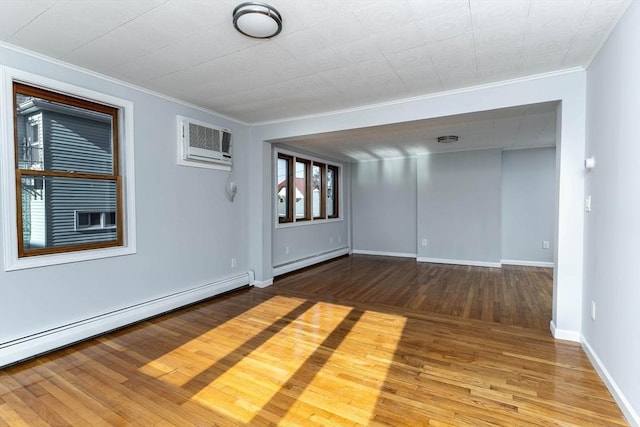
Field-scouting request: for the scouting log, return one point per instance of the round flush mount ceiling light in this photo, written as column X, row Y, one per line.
column 447, row 139
column 258, row 20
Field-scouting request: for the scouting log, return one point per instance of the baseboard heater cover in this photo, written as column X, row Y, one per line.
column 383, row 253
column 525, row 263
column 460, row 262
column 308, row 261
column 33, row 345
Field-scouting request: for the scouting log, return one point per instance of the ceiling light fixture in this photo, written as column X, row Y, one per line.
column 258, row 20
column 447, row 139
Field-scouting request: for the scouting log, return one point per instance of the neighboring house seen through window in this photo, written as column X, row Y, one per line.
column 68, row 184
column 306, row 190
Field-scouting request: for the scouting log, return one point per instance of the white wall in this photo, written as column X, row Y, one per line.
column 187, row 230
column 528, row 203
column 459, row 207
column 612, row 228
column 384, row 206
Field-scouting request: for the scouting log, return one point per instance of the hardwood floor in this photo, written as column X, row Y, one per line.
column 510, row 295
column 359, row 341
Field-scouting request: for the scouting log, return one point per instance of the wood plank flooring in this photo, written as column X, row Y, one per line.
column 510, row 295
column 359, row 341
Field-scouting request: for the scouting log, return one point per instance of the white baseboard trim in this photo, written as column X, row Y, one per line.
column 262, row 283
column 625, row 406
column 308, row 261
column 382, row 253
column 26, row 347
column 460, row 262
column 527, row 263
column 563, row 334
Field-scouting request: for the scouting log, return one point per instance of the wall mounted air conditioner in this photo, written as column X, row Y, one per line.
column 203, row 142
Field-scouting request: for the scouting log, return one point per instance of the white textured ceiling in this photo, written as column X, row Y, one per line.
column 331, row 54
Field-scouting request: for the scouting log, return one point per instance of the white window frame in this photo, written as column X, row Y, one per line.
column 313, row 160
column 7, row 172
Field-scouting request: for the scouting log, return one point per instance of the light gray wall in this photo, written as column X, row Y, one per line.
column 459, row 206
column 612, row 228
column 308, row 240
column 187, row 230
column 384, row 206
column 528, row 204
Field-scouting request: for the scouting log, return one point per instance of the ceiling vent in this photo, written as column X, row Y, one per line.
column 447, row 139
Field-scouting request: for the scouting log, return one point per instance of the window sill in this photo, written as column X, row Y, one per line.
column 306, row 223
column 65, row 258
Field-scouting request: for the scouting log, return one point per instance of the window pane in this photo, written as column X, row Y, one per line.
column 316, row 186
column 83, row 220
column 110, row 219
column 95, row 219
column 283, row 190
column 331, row 177
column 59, row 137
column 301, row 189
column 49, row 213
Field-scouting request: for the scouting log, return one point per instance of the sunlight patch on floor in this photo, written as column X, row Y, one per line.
column 244, row 389
column 350, row 381
column 213, row 345
column 287, row 351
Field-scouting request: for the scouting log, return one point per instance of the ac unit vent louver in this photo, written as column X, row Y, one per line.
column 203, row 142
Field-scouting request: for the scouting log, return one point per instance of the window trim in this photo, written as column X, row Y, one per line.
column 292, row 157
column 8, row 174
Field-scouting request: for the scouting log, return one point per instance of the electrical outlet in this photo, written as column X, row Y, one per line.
column 593, row 310
column 545, row 244
column 286, row 250
column 587, row 204
column 233, row 263
column 424, row 242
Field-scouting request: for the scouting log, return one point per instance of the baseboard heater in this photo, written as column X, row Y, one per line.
column 42, row 342
column 460, row 262
column 308, row 261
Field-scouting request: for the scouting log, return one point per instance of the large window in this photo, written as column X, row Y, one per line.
column 306, row 190
column 67, row 176
column 66, row 164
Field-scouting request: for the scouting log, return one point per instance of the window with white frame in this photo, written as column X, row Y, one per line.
column 67, row 188
column 306, row 189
